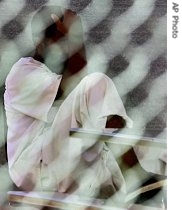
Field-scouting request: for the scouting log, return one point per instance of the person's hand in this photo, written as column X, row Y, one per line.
column 60, row 25
column 64, row 25
column 115, row 121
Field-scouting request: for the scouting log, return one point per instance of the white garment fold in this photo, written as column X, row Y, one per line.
column 40, row 151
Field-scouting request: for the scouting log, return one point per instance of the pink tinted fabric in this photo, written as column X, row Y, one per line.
column 40, row 151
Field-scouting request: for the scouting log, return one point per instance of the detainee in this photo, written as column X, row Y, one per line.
column 46, row 95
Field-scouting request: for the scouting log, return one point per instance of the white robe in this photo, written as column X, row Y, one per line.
column 40, row 152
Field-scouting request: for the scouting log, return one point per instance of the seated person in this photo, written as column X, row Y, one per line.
column 41, row 108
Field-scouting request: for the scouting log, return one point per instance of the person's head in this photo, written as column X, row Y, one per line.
column 43, row 24
column 57, row 34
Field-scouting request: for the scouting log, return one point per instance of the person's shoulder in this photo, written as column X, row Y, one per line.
column 25, row 64
column 27, row 61
column 22, row 67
